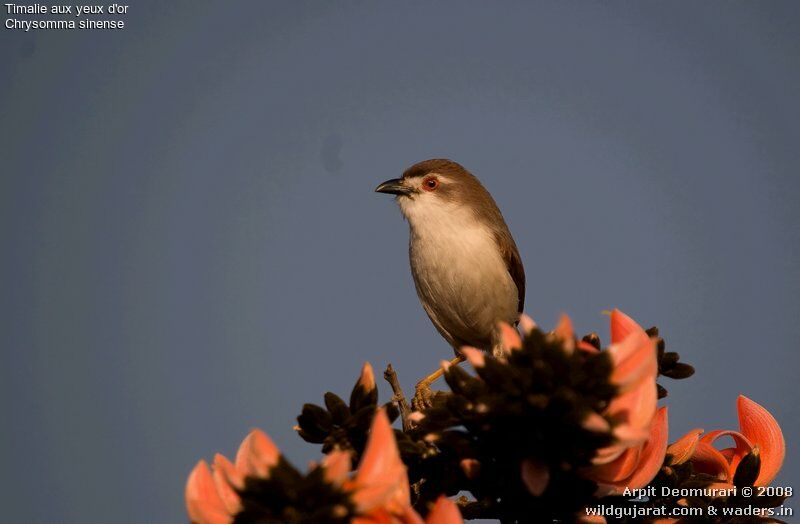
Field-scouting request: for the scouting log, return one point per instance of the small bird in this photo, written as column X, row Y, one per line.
column 465, row 264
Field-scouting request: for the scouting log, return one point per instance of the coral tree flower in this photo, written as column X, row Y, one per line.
column 758, row 431
column 639, row 429
column 378, row 492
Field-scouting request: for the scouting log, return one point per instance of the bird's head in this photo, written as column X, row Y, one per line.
column 439, row 186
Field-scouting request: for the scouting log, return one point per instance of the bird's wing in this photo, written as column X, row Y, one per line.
column 514, row 265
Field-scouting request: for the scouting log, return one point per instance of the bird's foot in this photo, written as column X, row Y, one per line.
column 423, row 397
column 498, row 351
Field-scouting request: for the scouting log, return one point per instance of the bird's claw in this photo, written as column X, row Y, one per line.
column 423, row 397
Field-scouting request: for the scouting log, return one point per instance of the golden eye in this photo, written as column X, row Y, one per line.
column 430, row 183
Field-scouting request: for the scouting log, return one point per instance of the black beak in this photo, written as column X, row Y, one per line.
column 394, row 187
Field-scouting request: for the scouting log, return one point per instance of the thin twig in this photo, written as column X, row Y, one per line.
column 399, row 398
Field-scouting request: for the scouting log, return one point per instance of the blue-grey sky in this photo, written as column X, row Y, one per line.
column 192, row 246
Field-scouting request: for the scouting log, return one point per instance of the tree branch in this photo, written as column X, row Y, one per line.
column 399, row 398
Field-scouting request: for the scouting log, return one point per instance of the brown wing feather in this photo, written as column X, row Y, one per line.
column 514, row 264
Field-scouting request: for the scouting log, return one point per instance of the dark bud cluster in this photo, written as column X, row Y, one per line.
column 288, row 496
column 525, row 411
column 668, row 362
column 343, row 426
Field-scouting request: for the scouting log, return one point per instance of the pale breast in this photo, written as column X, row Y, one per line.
column 461, row 279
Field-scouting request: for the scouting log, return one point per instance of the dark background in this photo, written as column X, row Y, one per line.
column 191, row 245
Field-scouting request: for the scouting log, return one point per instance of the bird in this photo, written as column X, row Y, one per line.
column 466, row 267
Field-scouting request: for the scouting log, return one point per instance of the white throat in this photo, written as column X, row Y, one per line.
column 430, row 218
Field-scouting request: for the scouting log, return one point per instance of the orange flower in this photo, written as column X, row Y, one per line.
column 640, row 430
column 378, row 492
column 211, row 494
column 758, row 431
column 380, row 487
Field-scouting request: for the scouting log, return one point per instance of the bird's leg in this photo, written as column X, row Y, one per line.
column 498, row 351
column 423, row 396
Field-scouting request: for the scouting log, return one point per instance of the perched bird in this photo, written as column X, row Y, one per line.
column 465, row 264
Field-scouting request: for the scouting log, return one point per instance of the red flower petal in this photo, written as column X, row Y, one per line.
column 526, row 323
column 583, row 518
column 707, row 459
column 761, row 428
column 337, row 467
column 203, row 503
column 367, row 378
column 595, row 422
column 634, row 411
column 653, row 453
column 635, row 358
column 609, row 453
column 565, row 333
column 234, row 477
column 622, row 326
column 509, row 337
column 470, row 467
column 650, row 460
column 381, row 479
column 226, row 478
column 682, row 449
column 732, row 455
column 619, row 469
column 475, row 357
column 257, row 454
column 535, row 476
